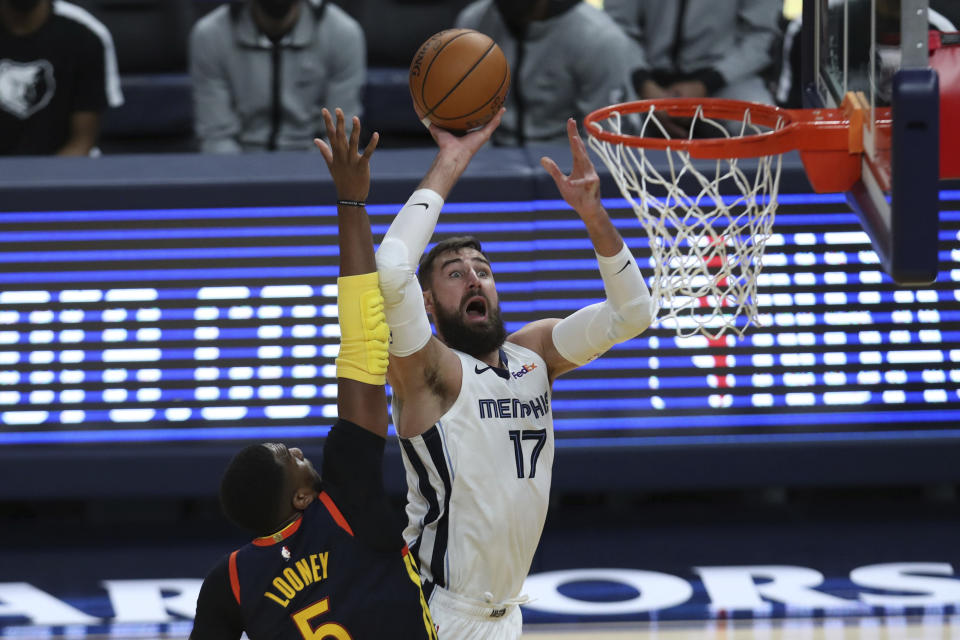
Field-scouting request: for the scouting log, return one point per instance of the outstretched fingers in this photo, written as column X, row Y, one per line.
column 341, row 143
column 333, row 137
column 581, row 187
column 495, row 121
column 371, row 146
column 552, row 168
column 341, row 125
column 355, row 140
column 581, row 161
column 477, row 138
column 354, row 134
column 325, row 150
column 486, row 131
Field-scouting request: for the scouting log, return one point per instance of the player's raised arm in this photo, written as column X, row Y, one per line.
column 416, row 358
column 362, row 363
column 627, row 311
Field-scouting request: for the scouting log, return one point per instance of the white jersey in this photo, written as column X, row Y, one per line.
column 479, row 480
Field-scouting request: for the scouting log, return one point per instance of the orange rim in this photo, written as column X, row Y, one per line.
column 802, row 129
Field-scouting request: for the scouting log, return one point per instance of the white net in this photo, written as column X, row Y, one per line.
column 708, row 224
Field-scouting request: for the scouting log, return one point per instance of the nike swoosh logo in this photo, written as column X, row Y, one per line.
column 477, row 369
column 421, row 204
column 625, row 265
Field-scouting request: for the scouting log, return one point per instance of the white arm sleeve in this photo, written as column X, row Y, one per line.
column 625, row 313
column 397, row 260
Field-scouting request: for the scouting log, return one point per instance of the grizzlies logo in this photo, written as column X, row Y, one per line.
column 25, row 87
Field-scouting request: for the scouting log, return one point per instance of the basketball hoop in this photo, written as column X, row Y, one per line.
column 708, row 222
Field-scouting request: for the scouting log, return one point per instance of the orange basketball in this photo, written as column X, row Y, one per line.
column 458, row 80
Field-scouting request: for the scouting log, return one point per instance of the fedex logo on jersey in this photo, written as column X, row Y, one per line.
column 527, row 368
column 514, row 407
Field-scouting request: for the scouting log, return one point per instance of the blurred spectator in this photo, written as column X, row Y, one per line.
column 942, row 15
column 58, row 73
column 567, row 58
column 262, row 70
column 700, row 48
column 789, row 82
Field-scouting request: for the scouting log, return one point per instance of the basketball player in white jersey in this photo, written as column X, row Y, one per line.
column 472, row 405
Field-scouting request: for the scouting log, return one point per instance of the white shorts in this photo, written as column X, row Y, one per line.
column 460, row 619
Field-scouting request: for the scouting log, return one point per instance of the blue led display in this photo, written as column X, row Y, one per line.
column 217, row 324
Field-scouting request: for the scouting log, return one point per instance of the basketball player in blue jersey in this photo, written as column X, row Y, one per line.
column 328, row 561
column 472, row 405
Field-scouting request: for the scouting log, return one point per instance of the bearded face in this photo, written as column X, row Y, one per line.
column 476, row 338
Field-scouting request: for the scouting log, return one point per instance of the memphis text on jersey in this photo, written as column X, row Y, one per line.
column 298, row 576
column 514, row 407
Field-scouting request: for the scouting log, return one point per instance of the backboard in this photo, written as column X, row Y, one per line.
column 880, row 49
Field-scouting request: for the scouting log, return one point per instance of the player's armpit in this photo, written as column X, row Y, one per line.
column 425, row 385
column 433, row 368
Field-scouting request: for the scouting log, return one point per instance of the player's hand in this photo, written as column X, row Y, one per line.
column 466, row 146
column 349, row 167
column 580, row 189
column 454, row 155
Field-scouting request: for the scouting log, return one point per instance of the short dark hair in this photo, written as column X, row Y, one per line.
column 454, row 243
column 251, row 490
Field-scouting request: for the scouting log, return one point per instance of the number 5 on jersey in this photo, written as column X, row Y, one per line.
column 326, row 631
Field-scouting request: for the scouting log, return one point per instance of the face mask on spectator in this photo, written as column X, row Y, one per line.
column 276, row 9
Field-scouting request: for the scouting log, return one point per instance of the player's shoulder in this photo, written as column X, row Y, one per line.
column 597, row 22
column 534, row 336
column 525, row 358
column 338, row 26
column 336, row 14
column 219, row 573
column 218, row 20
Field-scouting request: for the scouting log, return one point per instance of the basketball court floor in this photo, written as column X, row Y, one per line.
column 934, row 628
column 135, row 581
column 869, row 628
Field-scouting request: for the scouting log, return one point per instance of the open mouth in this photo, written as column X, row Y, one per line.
column 476, row 308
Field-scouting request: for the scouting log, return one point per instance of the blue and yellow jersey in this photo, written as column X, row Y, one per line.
column 330, row 574
column 313, row 580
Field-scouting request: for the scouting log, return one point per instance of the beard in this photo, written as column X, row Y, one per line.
column 474, row 340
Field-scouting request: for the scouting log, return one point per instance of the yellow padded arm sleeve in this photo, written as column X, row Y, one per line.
column 363, row 329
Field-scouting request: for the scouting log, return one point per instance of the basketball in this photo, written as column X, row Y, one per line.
column 458, row 80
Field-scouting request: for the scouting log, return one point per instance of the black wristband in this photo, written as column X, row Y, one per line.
column 351, row 203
